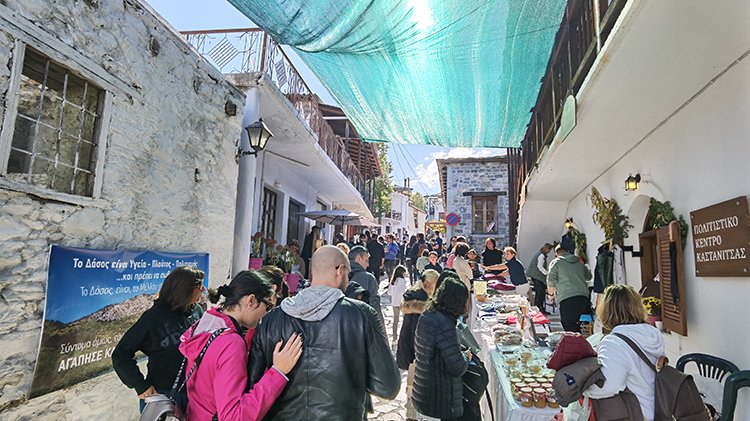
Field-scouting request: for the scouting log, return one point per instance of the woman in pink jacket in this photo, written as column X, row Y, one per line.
column 218, row 385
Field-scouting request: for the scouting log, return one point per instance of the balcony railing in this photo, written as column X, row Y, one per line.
column 585, row 26
column 251, row 50
column 333, row 145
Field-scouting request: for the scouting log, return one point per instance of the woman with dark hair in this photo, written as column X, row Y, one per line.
column 157, row 334
column 308, row 248
column 440, row 363
column 491, row 256
column 276, row 276
column 217, row 387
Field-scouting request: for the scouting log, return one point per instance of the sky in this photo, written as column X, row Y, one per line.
column 416, row 162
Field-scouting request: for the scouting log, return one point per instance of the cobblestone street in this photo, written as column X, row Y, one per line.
column 386, row 410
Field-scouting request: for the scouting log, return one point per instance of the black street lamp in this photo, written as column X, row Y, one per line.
column 258, row 135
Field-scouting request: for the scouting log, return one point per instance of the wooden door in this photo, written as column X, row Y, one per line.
column 649, row 266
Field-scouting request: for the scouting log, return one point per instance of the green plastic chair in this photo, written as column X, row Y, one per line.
column 708, row 366
column 732, row 385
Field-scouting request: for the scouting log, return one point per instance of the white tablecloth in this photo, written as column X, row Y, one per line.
column 505, row 406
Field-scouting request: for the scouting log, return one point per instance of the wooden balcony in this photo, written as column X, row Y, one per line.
column 585, row 26
column 251, row 50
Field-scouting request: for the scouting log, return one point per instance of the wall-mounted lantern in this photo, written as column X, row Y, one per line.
column 258, row 135
column 631, row 183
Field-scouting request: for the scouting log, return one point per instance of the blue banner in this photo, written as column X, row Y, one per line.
column 93, row 297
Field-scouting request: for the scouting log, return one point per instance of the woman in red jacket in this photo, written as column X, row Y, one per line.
column 217, row 386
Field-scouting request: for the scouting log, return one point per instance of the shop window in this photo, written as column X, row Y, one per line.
column 268, row 217
column 55, row 133
column 484, row 214
column 294, row 221
column 321, row 207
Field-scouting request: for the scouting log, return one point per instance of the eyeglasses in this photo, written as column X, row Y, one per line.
column 269, row 305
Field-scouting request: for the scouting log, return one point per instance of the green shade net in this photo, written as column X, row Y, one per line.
column 449, row 73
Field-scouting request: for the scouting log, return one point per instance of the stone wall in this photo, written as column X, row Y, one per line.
column 480, row 176
column 171, row 123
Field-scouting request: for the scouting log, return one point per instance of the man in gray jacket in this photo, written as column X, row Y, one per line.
column 358, row 259
column 568, row 281
column 537, row 271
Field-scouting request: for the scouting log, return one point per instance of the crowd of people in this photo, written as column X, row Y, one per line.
column 322, row 352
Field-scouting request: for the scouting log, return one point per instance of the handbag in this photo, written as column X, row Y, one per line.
column 164, row 408
column 475, row 381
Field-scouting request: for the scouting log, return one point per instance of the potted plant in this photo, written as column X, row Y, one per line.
column 256, row 254
column 653, row 310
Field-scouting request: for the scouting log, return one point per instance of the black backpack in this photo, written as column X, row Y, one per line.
column 676, row 395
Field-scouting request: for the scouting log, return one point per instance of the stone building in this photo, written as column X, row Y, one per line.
column 476, row 189
column 115, row 134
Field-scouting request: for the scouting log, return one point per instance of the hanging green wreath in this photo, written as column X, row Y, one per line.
column 662, row 213
column 579, row 239
column 609, row 217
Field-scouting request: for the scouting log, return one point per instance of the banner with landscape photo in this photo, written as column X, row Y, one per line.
column 93, row 297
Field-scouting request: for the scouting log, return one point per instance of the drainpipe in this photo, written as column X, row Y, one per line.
column 243, row 214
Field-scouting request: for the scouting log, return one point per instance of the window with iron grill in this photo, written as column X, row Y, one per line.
column 54, row 142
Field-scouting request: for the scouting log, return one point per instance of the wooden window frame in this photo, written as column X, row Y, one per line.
column 484, row 219
column 101, row 126
column 268, row 213
column 33, row 148
column 290, row 217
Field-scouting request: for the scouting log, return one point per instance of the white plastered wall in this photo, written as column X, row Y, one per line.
column 696, row 159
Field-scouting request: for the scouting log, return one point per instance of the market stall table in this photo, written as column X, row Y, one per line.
column 499, row 387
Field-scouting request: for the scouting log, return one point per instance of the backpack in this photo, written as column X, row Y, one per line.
column 676, row 395
column 164, row 408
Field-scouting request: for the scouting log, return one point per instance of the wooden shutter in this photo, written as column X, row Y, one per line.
column 672, row 313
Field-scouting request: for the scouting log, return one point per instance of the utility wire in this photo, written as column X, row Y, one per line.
column 413, row 171
column 398, row 160
column 405, row 151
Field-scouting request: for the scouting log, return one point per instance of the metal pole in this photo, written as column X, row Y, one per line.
column 243, row 214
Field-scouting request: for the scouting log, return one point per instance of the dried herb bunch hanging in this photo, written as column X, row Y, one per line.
column 609, row 217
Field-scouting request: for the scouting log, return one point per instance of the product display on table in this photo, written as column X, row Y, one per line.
column 520, row 382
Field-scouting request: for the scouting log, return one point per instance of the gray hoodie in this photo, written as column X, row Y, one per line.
column 312, row 304
column 569, row 277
